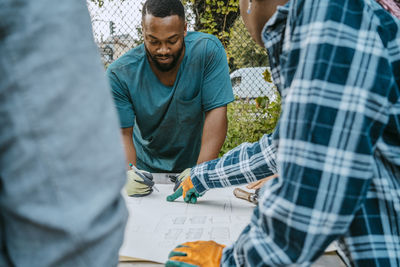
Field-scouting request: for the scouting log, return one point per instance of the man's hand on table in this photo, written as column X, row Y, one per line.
column 139, row 183
column 184, row 187
column 198, row 253
column 180, row 177
column 258, row 184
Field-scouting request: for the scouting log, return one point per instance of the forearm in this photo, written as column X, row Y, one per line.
column 246, row 163
column 130, row 151
column 214, row 133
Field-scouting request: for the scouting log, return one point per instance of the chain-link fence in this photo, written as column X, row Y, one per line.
column 117, row 29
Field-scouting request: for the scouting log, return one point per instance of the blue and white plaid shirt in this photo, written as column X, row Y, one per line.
column 336, row 147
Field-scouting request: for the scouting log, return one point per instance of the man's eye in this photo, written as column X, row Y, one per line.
column 153, row 42
column 172, row 41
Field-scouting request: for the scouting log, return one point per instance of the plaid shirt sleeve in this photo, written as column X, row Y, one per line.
column 336, row 145
column 246, row 163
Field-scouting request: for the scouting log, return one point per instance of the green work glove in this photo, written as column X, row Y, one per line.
column 198, row 253
column 136, row 185
column 184, row 187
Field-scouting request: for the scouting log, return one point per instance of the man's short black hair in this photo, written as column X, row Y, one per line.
column 163, row 8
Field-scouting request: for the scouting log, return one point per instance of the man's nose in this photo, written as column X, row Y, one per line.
column 163, row 49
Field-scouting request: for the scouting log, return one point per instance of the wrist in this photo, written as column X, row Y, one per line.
column 198, row 179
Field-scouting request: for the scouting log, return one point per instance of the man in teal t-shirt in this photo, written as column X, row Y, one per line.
column 171, row 93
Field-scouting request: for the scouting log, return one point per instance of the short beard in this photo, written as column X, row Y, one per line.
column 165, row 68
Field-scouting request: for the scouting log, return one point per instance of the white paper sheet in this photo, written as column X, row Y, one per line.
column 156, row 226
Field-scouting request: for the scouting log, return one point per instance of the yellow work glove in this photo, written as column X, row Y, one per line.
column 184, row 174
column 198, row 253
column 184, row 188
column 181, row 177
column 136, row 185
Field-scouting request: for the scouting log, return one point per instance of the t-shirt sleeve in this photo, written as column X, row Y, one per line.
column 122, row 100
column 217, row 87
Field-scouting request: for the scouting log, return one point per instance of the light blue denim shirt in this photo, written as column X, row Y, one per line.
column 62, row 165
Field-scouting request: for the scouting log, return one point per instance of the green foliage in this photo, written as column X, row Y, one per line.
column 215, row 16
column 139, row 40
column 243, row 51
column 249, row 120
column 267, row 76
column 100, row 3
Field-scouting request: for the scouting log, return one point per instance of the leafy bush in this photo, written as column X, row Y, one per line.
column 242, row 51
column 249, row 119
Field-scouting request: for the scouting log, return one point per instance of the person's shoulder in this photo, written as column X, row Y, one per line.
column 128, row 60
column 201, row 37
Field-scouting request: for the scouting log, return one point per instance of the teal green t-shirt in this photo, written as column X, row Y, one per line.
column 168, row 121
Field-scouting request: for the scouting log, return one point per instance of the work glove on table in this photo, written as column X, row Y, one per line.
column 184, row 187
column 137, row 185
column 180, row 177
column 198, row 253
